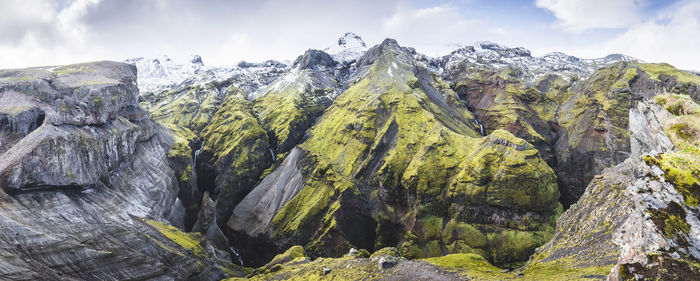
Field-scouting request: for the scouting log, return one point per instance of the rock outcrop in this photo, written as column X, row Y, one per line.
column 640, row 218
column 85, row 179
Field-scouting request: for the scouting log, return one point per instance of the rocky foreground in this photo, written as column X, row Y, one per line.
column 86, row 182
column 376, row 163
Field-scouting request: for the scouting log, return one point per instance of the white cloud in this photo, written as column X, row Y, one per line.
column 581, row 15
column 40, row 32
column 673, row 37
column 436, row 30
column 50, row 32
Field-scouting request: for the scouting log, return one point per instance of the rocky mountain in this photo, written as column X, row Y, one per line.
column 349, row 47
column 352, row 163
column 86, row 182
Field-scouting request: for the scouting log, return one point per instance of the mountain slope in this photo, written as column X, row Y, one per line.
column 390, row 158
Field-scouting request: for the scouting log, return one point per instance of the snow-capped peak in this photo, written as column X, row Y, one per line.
column 155, row 73
column 347, row 48
column 499, row 56
column 196, row 59
column 351, row 40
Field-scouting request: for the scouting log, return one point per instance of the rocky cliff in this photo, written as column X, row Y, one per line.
column 640, row 218
column 86, row 179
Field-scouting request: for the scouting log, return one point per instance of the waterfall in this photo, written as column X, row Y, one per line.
column 273, row 156
column 236, row 255
column 481, row 128
column 196, row 154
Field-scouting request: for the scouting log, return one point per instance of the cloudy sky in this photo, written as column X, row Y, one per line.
column 49, row 32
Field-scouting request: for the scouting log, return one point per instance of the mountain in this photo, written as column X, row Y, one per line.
column 519, row 60
column 352, row 163
column 349, row 47
column 163, row 73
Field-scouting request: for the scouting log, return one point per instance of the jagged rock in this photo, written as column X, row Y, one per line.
column 256, row 210
column 314, row 59
column 635, row 220
column 235, row 152
column 578, row 125
column 645, row 122
column 348, row 48
column 563, row 111
column 386, row 262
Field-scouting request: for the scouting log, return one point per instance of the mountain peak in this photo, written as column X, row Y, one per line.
column 314, row 58
column 347, row 48
column 196, row 59
column 350, row 39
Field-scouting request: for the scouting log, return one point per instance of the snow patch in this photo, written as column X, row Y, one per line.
column 348, row 48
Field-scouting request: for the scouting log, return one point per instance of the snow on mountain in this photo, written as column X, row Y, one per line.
column 159, row 74
column 490, row 54
column 349, row 47
column 162, row 73
column 155, row 74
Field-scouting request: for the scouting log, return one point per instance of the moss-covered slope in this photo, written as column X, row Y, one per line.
column 397, row 160
column 289, row 106
column 579, row 124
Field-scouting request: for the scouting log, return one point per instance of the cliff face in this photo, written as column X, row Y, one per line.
column 578, row 123
column 85, row 176
column 639, row 218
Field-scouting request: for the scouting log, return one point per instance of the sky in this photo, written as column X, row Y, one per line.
column 224, row 32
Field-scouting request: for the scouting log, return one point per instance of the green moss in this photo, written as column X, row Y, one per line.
column 509, row 247
column 675, row 224
column 190, row 241
column 73, row 68
column 286, row 111
column 97, row 100
column 288, row 255
column 239, row 146
column 386, row 133
column 387, row 251
column 182, row 136
column 681, row 166
column 471, row 265
column 460, row 231
column 192, row 107
column 671, row 220
column 678, row 104
column 563, row 269
column 506, row 171
column 185, row 177
column 655, row 69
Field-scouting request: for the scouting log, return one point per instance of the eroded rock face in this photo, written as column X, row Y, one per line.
column 231, row 133
column 637, row 218
column 578, row 123
column 254, row 213
column 84, row 175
